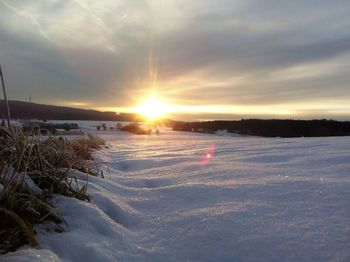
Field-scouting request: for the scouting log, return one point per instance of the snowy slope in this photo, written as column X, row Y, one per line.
column 197, row 197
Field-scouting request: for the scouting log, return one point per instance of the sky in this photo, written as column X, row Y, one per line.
column 205, row 59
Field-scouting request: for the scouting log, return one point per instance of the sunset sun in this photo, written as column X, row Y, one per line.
column 152, row 109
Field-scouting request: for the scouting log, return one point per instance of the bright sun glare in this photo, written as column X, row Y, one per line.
column 152, row 109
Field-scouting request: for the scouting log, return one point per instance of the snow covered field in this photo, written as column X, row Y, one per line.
column 198, row 197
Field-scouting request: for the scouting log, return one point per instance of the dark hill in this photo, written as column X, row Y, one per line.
column 26, row 110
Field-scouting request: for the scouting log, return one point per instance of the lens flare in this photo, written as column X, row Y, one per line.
column 208, row 155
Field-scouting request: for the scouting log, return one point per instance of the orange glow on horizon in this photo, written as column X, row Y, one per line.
column 154, row 108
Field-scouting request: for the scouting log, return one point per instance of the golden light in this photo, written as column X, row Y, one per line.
column 152, row 109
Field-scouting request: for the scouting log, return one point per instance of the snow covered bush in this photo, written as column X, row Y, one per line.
column 135, row 129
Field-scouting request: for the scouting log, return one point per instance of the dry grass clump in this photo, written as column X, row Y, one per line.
column 20, row 209
column 31, row 170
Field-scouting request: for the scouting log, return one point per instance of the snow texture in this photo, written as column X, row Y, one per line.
column 198, row 197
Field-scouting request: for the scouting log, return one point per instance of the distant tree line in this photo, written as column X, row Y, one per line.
column 269, row 128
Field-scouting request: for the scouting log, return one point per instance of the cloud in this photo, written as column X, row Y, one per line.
column 109, row 53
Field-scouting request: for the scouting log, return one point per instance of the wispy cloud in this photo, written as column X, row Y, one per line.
column 29, row 17
column 225, row 53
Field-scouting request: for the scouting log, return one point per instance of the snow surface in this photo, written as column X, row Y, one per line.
column 196, row 197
